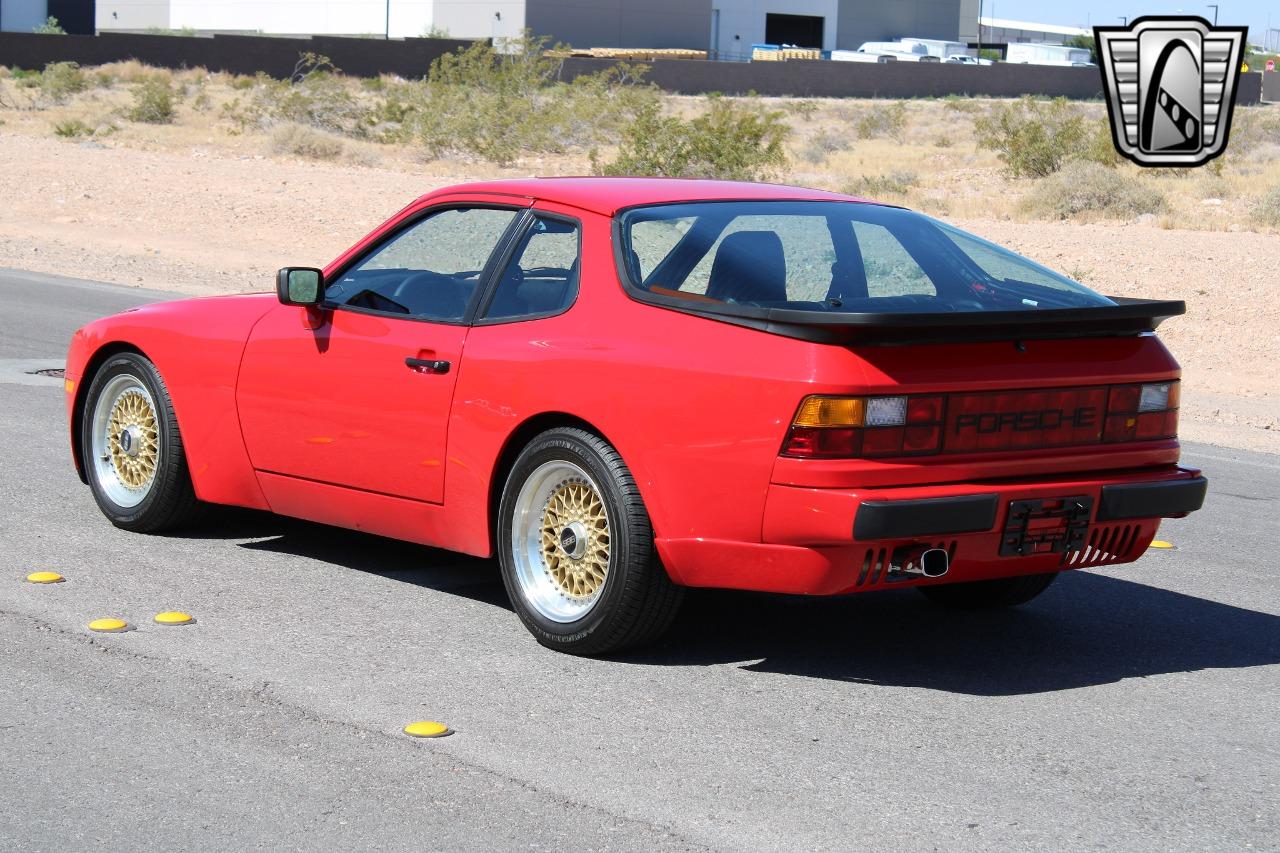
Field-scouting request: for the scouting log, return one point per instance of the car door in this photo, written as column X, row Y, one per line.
column 358, row 393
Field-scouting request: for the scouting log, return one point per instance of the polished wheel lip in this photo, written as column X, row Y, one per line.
column 124, row 441
column 558, row 496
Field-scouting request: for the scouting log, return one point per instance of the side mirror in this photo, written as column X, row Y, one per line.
column 300, row 286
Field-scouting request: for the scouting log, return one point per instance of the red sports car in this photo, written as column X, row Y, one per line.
column 624, row 387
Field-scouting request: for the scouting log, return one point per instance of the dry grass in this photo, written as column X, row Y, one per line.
column 865, row 146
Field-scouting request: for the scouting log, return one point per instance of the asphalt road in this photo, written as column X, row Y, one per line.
column 1134, row 708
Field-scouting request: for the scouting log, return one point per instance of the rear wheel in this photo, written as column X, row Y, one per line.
column 988, row 595
column 133, row 452
column 576, row 548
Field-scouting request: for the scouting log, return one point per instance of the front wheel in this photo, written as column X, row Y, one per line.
column 133, row 452
column 576, row 548
column 988, row 595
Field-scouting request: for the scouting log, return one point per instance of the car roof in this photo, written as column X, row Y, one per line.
column 609, row 195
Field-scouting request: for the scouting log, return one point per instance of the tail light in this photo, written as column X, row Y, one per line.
column 1142, row 412
column 842, row 427
column 832, row 427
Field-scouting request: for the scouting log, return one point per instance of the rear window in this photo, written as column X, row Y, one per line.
column 831, row 256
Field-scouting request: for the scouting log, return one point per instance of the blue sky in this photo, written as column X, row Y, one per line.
column 1088, row 13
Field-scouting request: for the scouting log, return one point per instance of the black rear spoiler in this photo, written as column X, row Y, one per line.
column 1126, row 317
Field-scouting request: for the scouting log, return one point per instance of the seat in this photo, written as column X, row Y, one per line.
column 749, row 267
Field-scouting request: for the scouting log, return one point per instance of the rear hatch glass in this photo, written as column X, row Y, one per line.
column 831, row 256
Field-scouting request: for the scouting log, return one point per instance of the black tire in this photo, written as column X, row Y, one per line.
column 637, row 601
column 988, row 595
column 171, row 501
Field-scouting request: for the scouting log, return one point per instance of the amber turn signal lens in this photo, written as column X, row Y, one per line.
column 830, row 412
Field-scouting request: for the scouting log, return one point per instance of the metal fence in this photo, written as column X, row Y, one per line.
column 411, row 58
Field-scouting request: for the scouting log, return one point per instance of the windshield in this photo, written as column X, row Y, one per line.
column 831, row 256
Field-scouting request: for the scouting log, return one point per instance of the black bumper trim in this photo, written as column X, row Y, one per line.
column 925, row 517
column 1152, row 500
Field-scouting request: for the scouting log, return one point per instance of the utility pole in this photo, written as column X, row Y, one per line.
column 1214, row 7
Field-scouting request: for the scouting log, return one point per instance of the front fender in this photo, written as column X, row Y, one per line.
column 197, row 345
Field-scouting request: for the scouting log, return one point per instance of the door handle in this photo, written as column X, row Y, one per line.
column 426, row 365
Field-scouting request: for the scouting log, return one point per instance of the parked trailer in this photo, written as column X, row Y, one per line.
column 898, row 50
column 858, row 56
column 941, row 48
column 1048, row 54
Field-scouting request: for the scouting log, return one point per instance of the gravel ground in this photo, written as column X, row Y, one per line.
column 206, row 221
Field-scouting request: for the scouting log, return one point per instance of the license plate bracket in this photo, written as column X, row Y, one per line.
column 1046, row 526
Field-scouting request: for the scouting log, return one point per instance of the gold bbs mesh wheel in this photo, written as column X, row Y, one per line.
column 560, row 541
column 125, row 440
column 575, row 539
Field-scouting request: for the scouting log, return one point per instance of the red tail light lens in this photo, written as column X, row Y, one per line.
column 831, row 427
column 1142, row 412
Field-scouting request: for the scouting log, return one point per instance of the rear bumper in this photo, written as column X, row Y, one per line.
column 898, row 519
column 833, row 541
column 1167, row 499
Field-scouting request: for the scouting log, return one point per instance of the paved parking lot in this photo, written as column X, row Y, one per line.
column 1130, row 708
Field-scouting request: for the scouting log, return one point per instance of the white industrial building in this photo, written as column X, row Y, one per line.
column 728, row 28
column 1005, row 31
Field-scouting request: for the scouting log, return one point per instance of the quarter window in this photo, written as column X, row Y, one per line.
column 430, row 270
column 542, row 277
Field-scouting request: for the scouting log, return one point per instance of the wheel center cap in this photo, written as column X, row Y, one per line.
column 573, row 539
column 130, row 440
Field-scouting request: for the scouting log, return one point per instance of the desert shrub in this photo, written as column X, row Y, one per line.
column 1087, row 189
column 1033, row 138
column 153, row 101
column 942, row 141
column 50, row 27
column 960, row 103
column 1213, row 185
column 314, row 95
column 1098, row 145
column 495, row 106
column 302, row 141
column 72, row 129
column 128, row 71
column 730, row 140
column 883, row 121
column 1267, row 209
column 822, row 145
column 61, row 80
column 894, row 183
column 804, row 109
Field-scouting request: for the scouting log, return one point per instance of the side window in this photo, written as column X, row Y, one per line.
column 542, row 277
column 430, row 270
column 890, row 270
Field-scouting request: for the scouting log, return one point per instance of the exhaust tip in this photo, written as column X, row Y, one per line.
column 934, row 563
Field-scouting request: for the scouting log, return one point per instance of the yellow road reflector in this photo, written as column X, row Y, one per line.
column 174, row 617
column 427, row 728
column 1161, row 544
column 109, row 626
column 45, row 577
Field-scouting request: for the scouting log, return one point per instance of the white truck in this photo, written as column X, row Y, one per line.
column 898, row 50
column 941, row 48
column 859, row 56
column 1048, row 54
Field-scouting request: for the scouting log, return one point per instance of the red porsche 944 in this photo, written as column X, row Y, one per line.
column 623, row 387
